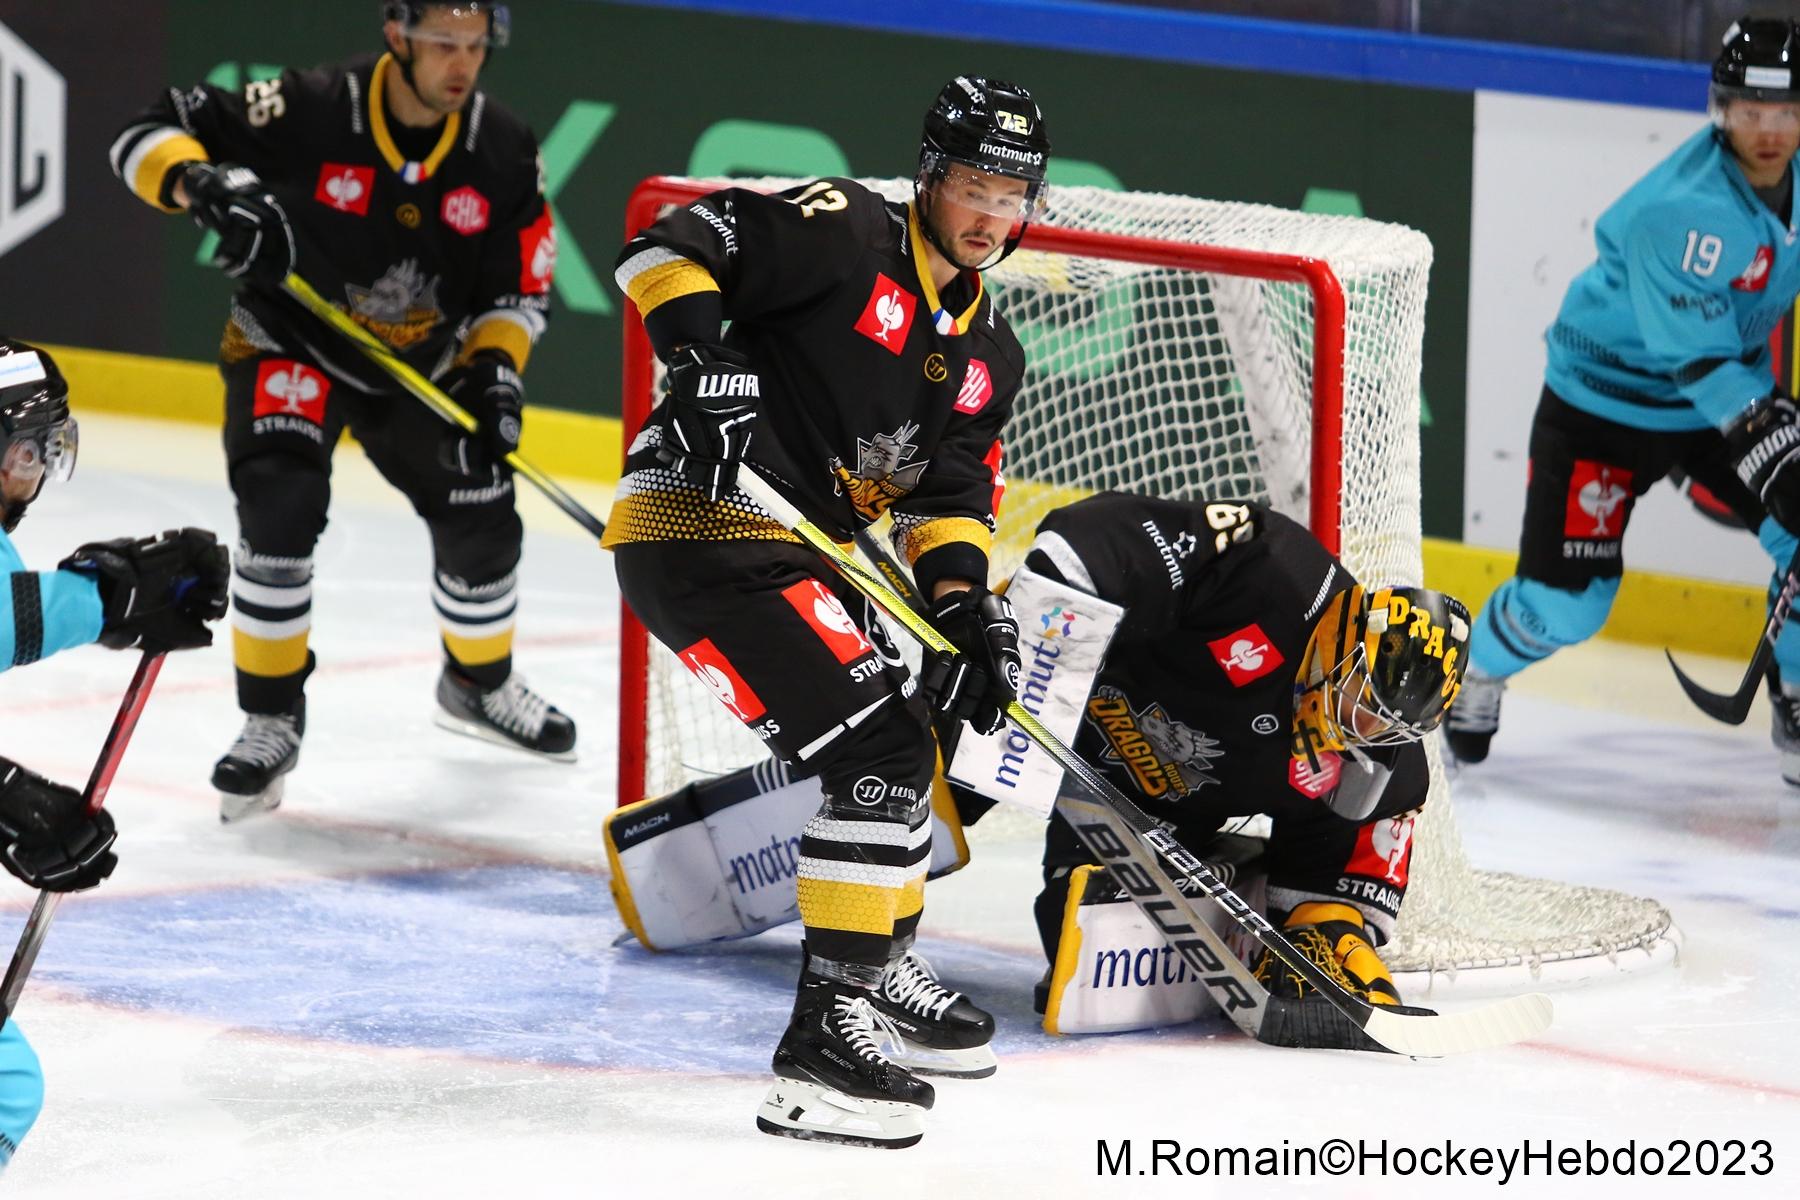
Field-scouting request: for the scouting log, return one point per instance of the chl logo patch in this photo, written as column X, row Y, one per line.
column 888, row 316
column 345, row 188
column 290, row 389
column 1247, row 655
column 465, row 210
column 977, row 388
column 721, row 679
column 829, row 619
column 1756, row 276
column 1383, row 851
column 1599, row 497
column 1315, row 784
column 537, row 254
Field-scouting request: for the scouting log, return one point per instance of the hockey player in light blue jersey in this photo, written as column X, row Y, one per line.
column 1659, row 360
column 153, row 593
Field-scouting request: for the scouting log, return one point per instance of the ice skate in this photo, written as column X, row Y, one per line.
column 1784, row 726
column 832, row 1082
column 509, row 715
column 944, row 1033
column 1474, row 716
column 249, row 778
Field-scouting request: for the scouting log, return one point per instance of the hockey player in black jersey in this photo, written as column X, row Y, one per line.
column 1250, row 674
column 866, row 373
column 415, row 202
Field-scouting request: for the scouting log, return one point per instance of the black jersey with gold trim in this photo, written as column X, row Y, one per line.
column 421, row 235
column 1194, row 705
column 878, row 396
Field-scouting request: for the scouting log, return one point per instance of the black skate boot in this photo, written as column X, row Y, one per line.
column 832, row 1083
column 944, row 1033
column 1784, row 726
column 1474, row 716
column 509, row 715
column 249, row 777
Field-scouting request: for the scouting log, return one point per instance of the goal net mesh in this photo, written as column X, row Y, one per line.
column 1149, row 376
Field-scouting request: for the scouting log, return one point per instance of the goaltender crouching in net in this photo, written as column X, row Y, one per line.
column 876, row 373
column 1249, row 673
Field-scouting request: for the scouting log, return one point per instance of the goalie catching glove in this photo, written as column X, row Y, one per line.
column 977, row 684
column 709, row 416
column 47, row 838
column 255, row 239
column 1764, row 442
column 157, row 593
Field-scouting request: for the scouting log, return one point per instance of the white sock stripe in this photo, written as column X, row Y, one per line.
column 271, row 595
column 273, row 631
column 828, row 870
column 868, row 833
column 451, row 608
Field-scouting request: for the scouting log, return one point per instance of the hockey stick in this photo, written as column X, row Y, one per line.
column 112, row 750
column 433, row 397
column 1734, row 708
column 1417, row 1035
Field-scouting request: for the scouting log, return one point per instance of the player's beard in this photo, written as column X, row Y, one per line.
column 12, row 512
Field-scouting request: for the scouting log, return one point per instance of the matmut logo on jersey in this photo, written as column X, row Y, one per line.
column 888, row 316
column 977, row 388
column 465, row 210
column 345, row 188
column 715, row 671
column 1383, row 851
column 285, row 388
column 829, row 619
column 1756, row 276
column 1247, row 655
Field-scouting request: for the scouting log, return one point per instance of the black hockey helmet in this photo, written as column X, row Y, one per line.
column 410, row 12
column 1383, row 667
column 1758, row 60
column 38, row 437
column 992, row 126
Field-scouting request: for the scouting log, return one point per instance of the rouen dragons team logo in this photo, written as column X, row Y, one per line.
column 1163, row 755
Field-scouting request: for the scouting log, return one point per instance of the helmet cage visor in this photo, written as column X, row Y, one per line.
column 981, row 187
column 46, row 453
column 1751, row 110
column 410, row 16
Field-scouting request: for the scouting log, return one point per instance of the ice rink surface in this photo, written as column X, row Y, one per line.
column 404, row 982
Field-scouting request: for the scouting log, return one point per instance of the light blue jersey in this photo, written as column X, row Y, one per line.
column 1669, row 330
column 42, row 612
column 21, row 1090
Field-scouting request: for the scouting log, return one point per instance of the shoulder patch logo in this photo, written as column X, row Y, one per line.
column 1246, row 655
column 537, row 254
column 888, row 316
column 1756, row 276
column 465, row 210
column 977, row 388
column 345, row 188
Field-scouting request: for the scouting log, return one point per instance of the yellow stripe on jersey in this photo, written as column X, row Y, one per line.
column 473, row 652
column 922, row 265
column 384, row 141
column 269, row 658
column 498, row 333
column 668, row 281
column 147, row 181
column 849, row 907
column 915, row 542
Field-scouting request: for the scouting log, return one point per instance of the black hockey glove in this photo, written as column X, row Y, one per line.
column 977, row 684
column 492, row 392
column 1764, row 443
column 255, row 239
column 709, row 415
column 157, row 593
column 46, row 838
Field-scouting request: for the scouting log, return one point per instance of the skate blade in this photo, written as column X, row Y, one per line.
column 234, row 807
column 808, row 1111
column 976, row 1062
column 482, row 733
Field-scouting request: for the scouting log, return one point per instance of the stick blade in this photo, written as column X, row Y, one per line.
column 1730, row 709
column 1499, row 1024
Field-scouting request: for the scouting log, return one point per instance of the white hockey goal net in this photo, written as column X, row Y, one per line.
column 1196, row 348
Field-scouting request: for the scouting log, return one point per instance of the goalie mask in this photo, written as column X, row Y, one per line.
column 976, row 129
column 1381, row 669
column 38, row 437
